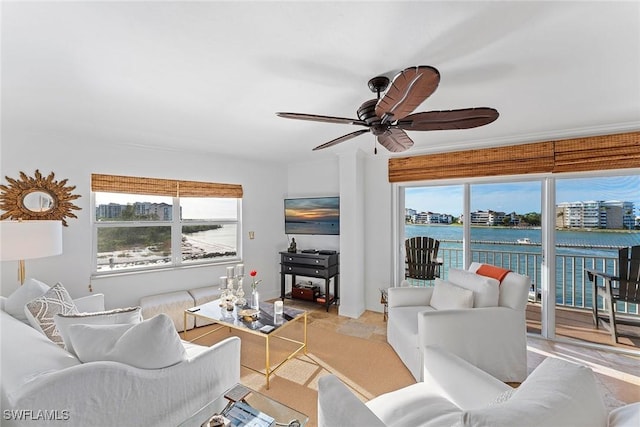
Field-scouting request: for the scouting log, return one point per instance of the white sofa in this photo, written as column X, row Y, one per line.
column 43, row 384
column 455, row 393
column 173, row 304
column 493, row 338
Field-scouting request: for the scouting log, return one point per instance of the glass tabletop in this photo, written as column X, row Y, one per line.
column 215, row 311
column 283, row 415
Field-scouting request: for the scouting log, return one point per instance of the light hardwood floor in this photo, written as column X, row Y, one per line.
column 618, row 374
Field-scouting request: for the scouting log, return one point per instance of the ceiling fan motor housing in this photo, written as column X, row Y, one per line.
column 367, row 112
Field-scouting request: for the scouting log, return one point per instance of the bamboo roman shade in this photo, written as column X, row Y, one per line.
column 618, row 151
column 163, row 187
column 527, row 158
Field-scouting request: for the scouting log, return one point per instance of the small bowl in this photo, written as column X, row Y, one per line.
column 249, row 314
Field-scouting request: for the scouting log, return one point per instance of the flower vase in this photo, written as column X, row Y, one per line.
column 255, row 299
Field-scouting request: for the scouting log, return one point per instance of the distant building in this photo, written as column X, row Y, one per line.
column 488, row 217
column 612, row 214
column 433, row 218
column 157, row 211
column 112, row 210
column 410, row 215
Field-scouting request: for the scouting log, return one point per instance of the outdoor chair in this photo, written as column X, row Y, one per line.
column 421, row 260
column 625, row 287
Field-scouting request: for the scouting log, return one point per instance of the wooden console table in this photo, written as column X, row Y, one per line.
column 317, row 265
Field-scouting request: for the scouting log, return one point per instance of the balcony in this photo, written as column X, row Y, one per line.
column 573, row 293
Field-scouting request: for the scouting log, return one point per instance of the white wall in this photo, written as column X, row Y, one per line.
column 374, row 269
column 317, row 178
column 265, row 187
column 352, row 253
column 378, row 226
column 75, row 158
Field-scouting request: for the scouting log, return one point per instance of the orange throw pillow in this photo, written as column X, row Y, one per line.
column 492, row 271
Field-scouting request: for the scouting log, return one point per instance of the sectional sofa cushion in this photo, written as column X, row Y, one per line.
column 41, row 311
column 151, row 344
column 486, row 290
column 63, row 322
column 31, row 289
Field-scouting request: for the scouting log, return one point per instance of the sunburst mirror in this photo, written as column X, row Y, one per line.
column 37, row 198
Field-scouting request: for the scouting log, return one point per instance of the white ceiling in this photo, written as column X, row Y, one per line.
column 209, row 76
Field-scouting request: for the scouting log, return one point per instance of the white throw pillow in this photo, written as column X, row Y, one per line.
column 486, row 290
column 447, row 296
column 151, row 344
column 90, row 303
column 129, row 315
column 42, row 310
column 31, row 289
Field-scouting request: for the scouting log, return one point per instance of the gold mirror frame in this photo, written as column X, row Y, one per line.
column 57, row 198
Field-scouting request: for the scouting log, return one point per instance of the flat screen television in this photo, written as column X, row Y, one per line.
column 312, row 215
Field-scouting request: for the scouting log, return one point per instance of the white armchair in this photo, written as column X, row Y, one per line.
column 489, row 335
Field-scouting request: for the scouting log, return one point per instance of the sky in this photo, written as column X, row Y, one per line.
column 522, row 197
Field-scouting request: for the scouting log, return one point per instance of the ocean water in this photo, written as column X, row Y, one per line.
column 220, row 239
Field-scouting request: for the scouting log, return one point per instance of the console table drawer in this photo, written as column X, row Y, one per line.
column 320, row 261
column 310, row 271
column 308, row 294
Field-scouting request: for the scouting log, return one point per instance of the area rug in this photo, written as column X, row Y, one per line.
column 368, row 367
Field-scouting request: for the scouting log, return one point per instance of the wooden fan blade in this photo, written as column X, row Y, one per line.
column 324, row 119
column 341, row 139
column 407, row 91
column 395, row 140
column 450, row 119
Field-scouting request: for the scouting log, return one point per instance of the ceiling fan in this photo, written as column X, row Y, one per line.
column 388, row 117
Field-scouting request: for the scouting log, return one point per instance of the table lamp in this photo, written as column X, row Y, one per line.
column 21, row 240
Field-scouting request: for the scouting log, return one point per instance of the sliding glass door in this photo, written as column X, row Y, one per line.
column 549, row 228
column 595, row 217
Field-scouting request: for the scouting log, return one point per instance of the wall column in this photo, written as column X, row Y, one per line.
column 352, row 251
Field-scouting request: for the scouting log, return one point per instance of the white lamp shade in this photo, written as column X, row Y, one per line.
column 30, row 239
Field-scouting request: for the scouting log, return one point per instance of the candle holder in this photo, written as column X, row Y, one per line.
column 231, row 287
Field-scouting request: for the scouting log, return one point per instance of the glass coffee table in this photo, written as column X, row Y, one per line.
column 267, row 325
column 282, row 414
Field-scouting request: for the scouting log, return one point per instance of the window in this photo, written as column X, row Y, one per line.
column 435, row 211
column 144, row 223
column 505, row 219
